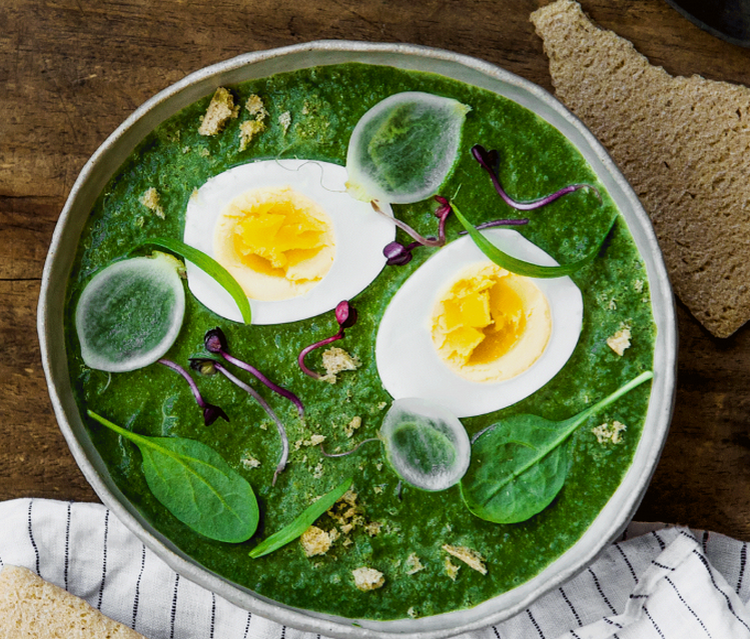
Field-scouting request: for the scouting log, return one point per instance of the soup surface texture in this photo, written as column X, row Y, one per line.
column 389, row 526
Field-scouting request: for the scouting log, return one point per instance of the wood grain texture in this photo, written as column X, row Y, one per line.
column 72, row 70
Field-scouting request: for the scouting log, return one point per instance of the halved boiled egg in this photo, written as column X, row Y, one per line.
column 289, row 233
column 469, row 335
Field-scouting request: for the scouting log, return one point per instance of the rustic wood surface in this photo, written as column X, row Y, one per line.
column 72, row 70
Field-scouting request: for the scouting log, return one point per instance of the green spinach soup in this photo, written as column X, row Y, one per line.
column 441, row 511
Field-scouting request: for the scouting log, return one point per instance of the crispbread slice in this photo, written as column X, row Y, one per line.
column 32, row 607
column 682, row 143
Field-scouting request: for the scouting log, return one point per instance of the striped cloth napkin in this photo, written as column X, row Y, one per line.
column 657, row 582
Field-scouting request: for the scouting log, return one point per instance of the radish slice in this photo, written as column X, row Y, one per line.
column 425, row 444
column 130, row 313
column 404, row 147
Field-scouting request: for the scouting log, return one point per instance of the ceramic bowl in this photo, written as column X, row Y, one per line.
column 98, row 170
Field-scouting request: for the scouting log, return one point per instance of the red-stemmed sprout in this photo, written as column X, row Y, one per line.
column 346, row 316
column 210, row 412
column 397, row 254
column 208, row 366
column 490, row 161
column 216, row 342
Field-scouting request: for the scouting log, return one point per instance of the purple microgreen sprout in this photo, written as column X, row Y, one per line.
column 210, row 412
column 346, row 316
column 397, row 254
column 216, row 342
column 207, row 366
column 490, row 160
column 348, row 452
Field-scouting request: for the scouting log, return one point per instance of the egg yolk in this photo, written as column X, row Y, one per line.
column 276, row 242
column 489, row 325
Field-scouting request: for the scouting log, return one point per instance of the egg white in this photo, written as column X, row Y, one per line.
column 408, row 363
column 360, row 233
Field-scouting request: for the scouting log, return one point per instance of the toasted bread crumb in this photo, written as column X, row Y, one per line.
column 285, row 120
column 620, row 341
column 413, row 565
column 451, row 569
column 220, row 110
column 470, row 557
column 33, row 607
column 368, row 578
column 150, row 199
column 611, row 433
column 315, row 541
column 337, row 360
column 353, row 425
column 248, row 461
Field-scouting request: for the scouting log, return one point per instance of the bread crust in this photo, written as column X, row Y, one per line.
column 682, row 143
column 33, row 607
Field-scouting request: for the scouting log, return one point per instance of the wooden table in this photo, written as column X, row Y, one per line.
column 72, row 70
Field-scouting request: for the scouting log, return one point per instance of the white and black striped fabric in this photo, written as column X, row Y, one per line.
column 664, row 583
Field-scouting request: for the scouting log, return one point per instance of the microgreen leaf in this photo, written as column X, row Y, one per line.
column 210, row 266
column 520, row 267
column 307, row 518
column 196, row 485
column 520, row 464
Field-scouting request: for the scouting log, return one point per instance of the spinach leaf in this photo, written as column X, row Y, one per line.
column 291, row 531
column 520, row 267
column 519, row 465
column 196, row 485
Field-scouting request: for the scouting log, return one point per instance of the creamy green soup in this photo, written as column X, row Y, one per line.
column 393, row 528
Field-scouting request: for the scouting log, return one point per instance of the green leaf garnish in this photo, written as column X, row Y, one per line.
column 291, row 531
column 210, row 266
column 520, row 267
column 519, row 465
column 196, row 485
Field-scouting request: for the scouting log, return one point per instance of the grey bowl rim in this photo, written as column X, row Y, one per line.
column 658, row 417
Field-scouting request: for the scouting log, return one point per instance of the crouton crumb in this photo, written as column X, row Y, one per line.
column 413, row 565
column 620, row 341
column 470, row 557
column 285, row 120
column 248, row 130
column 368, row 579
column 256, row 108
column 315, row 541
column 250, row 462
column 611, row 433
column 220, row 110
column 150, row 199
column 352, row 426
column 337, row 360
column 372, row 528
column 451, row 569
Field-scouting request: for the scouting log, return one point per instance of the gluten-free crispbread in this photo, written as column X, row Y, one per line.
column 33, row 607
column 682, row 143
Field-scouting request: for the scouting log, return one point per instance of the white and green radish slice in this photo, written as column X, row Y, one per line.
column 425, row 444
column 130, row 313
column 404, row 147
